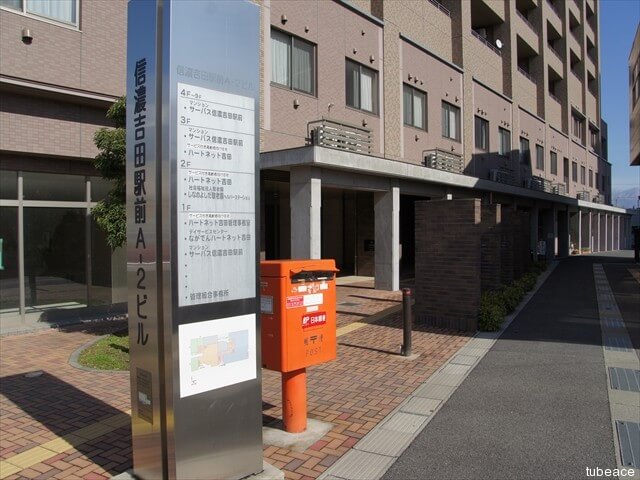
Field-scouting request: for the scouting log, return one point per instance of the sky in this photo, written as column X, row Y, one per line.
column 618, row 22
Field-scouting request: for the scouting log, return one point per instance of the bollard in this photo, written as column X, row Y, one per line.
column 405, row 350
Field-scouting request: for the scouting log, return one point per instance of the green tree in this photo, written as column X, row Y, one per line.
column 110, row 213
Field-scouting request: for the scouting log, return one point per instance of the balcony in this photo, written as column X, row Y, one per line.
column 559, row 189
column 443, row 160
column 487, row 43
column 340, row 136
column 554, row 8
column 539, row 184
column 440, row 7
column 584, row 195
column 501, row 175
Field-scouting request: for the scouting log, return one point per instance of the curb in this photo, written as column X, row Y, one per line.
column 378, row 450
column 73, row 359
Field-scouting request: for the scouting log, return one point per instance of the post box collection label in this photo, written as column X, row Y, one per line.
column 215, row 195
column 297, row 301
column 314, row 319
column 216, row 353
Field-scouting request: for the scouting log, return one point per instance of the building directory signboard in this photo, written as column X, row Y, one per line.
column 192, row 225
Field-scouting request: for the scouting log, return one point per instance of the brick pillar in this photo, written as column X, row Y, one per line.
column 448, row 263
column 507, row 247
column 490, row 247
column 521, row 241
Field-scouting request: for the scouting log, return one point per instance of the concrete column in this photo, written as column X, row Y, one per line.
column 580, row 232
column 618, row 247
column 550, row 231
column 387, row 239
column 562, row 232
column 590, row 232
column 606, row 232
column 306, row 202
column 534, row 219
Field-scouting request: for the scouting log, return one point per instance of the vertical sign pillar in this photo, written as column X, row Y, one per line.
column 192, row 225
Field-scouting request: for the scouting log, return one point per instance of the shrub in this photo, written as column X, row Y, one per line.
column 491, row 312
column 512, row 295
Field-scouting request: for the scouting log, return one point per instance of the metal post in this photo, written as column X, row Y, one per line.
column 294, row 400
column 407, row 297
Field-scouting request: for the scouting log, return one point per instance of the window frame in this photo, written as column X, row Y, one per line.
column 501, row 145
column 482, row 126
column 314, row 74
column 375, row 100
column 574, row 172
column 579, row 122
column 591, row 178
column 539, row 157
column 583, row 175
column 553, row 163
column 414, row 90
column 75, row 25
column 450, row 108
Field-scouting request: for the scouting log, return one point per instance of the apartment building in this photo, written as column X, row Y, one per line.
column 371, row 105
column 367, row 106
column 634, row 101
column 62, row 64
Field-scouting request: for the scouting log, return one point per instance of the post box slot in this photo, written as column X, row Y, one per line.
column 312, row 276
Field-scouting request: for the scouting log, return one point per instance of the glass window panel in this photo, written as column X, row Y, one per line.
column 367, row 79
column 418, row 109
column 407, row 105
column 9, row 282
column 303, row 66
column 353, row 84
column 482, row 133
column 539, row 157
column 54, row 251
column 525, row 153
column 100, row 267
column 554, row 163
column 61, row 10
column 505, row 141
column 13, row 4
column 56, row 187
column 100, row 188
column 8, row 185
column 280, row 53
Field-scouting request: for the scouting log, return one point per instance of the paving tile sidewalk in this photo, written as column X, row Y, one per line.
column 68, row 423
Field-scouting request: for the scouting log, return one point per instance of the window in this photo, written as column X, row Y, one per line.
column 505, row 142
column 292, row 62
column 554, row 163
column 574, row 171
column 65, row 11
column 414, row 104
column 482, row 134
column 590, row 178
column 583, row 175
column 540, row 157
column 597, row 180
column 525, row 153
column 593, row 138
column 565, row 171
column 362, row 87
column 577, row 128
column 450, row 121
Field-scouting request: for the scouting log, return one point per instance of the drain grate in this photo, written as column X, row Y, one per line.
column 629, row 440
column 624, row 379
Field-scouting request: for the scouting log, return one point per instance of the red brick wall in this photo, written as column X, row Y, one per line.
column 448, row 263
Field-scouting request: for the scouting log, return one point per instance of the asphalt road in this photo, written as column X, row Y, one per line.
column 536, row 406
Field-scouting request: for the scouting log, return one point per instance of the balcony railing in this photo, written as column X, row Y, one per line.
column 583, row 196
column 340, row 135
column 598, row 199
column 522, row 71
column 441, row 7
column 559, row 189
column 540, row 184
column 502, row 176
column 486, row 42
column 443, row 160
column 526, row 20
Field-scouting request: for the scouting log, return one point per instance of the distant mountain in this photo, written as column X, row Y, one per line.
column 625, row 198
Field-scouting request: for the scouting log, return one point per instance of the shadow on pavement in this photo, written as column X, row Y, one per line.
column 63, row 409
